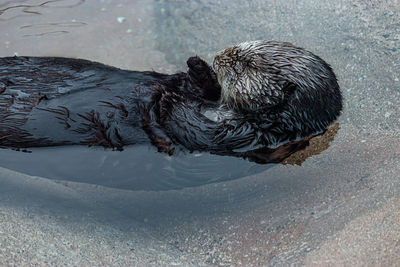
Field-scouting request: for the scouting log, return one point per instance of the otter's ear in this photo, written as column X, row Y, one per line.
column 202, row 79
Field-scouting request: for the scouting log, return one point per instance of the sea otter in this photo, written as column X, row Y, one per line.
column 271, row 93
column 259, row 95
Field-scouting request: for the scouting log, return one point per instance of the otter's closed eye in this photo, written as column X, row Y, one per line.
column 238, row 67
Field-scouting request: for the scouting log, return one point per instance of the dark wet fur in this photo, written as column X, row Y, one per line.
column 47, row 101
column 83, row 102
column 76, row 101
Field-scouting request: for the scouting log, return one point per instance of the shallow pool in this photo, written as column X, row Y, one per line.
column 339, row 207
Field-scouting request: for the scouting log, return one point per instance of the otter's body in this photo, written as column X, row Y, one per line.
column 59, row 101
column 261, row 94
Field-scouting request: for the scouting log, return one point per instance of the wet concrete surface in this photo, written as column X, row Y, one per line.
column 339, row 208
column 45, row 223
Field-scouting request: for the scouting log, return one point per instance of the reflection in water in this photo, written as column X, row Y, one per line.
column 142, row 168
column 294, row 153
column 135, row 168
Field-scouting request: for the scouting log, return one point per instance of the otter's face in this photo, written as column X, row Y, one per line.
column 244, row 75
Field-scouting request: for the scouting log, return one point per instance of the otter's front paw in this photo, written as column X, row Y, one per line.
column 202, row 79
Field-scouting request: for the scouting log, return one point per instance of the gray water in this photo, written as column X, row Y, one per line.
column 135, row 168
column 339, row 207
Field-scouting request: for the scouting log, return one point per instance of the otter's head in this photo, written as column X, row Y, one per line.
column 244, row 73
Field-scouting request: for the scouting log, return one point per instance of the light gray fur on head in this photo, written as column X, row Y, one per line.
column 253, row 75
